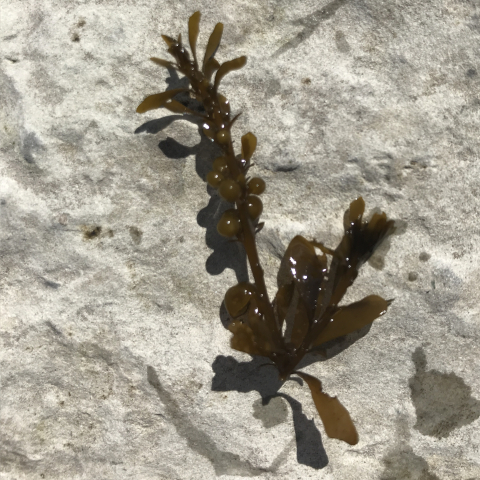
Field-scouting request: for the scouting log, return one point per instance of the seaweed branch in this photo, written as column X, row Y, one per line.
column 305, row 312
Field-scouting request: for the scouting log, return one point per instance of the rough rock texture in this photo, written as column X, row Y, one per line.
column 114, row 361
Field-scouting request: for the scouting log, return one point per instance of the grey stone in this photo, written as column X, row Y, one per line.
column 114, row 361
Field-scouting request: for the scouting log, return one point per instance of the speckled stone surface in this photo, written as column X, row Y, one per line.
column 114, row 361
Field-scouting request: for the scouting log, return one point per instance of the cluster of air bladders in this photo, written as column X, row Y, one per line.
column 231, row 190
column 305, row 313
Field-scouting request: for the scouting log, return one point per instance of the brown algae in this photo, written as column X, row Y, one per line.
column 305, row 312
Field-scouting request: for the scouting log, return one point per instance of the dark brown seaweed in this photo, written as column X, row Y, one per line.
column 305, row 312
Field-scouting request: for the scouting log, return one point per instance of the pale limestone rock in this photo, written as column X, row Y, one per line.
column 114, row 360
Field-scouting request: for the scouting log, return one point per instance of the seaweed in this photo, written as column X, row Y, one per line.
column 312, row 279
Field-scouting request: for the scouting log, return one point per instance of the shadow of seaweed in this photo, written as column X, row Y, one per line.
column 231, row 375
column 310, row 449
column 226, row 253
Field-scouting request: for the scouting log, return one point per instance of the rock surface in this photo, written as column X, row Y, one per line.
column 114, row 360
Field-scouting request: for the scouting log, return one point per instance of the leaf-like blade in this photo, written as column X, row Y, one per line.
column 163, row 63
column 353, row 317
column 353, row 216
column 249, row 144
column 244, row 340
column 210, row 68
column 300, row 324
column 334, row 415
column 193, row 29
column 251, row 333
column 359, row 242
column 169, row 40
column 212, row 45
column 158, row 100
column 305, row 268
column 282, row 302
column 224, row 104
column 228, row 67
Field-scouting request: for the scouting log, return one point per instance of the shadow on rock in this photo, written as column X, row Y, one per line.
column 443, row 401
column 231, row 375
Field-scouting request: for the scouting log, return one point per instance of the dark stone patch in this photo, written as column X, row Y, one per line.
column 341, row 42
column 53, row 328
column 10, row 459
column 30, row 146
column 272, row 414
column 91, row 232
column 424, row 257
column 63, row 219
column 50, row 284
column 377, row 261
column 401, row 226
column 403, row 464
column 75, row 35
column 288, row 167
column 412, row 276
column 167, row 308
column 136, row 235
column 471, row 72
column 444, row 292
column 93, row 350
column 442, row 401
column 310, row 23
column 272, row 88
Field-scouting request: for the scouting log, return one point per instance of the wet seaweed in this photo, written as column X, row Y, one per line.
column 306, row 311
